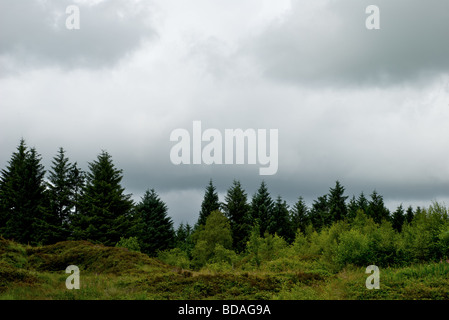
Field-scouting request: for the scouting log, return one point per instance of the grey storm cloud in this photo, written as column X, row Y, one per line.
column 366, row 107
column 34, row 33
column 328, row 43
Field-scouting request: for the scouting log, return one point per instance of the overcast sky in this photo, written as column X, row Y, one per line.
column 369, row 108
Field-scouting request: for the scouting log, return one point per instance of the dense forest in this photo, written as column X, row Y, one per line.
column 39, row 207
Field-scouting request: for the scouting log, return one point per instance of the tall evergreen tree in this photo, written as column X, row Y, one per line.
column 409, row 214
column 299, row 215
column 77, row 178
column 64, row 181
column 353, row 207
column 157, row 227
column 363, row 202
column 376, row 208
column 319, row 213
column 236, row 209
column 183, row 238
column 23, row 200
column 105, row 212
column 261, row 208
column 398, row 218
column 337, row 203
column 210, row 203
column 279, row 222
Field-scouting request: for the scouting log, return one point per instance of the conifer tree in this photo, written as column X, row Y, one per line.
column 299, row 215
column 376, row 208
column 64, row 182
column 157, row 231
column 210, row 203
column 183, row 238
column 353, row 207
column 319, row 213
column 363, row 202
column 23, row 200
column 398, row 218
column 409, row 214
column 236, row 209
column 261, row 208
column 105, row 212
column 280, row 220
column 337, row 203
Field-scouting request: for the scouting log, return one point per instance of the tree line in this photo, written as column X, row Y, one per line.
column 66, row 203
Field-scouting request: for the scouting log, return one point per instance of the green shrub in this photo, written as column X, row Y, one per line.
column 216, row 231
column 131, row 243
column 175, row 257
column 383, row 245
column 353, row 249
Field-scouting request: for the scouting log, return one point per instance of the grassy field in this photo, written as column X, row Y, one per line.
column 115, row 273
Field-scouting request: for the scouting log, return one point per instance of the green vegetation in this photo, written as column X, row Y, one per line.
column 283, row 272
column 240, row 249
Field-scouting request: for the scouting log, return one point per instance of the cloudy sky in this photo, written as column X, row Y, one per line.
column 369, row 108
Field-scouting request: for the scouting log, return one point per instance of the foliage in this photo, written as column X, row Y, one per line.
column 24, row 214
column 210, row 203
column 156, row 230
column 216, row 232
column 236, row 208
column 261, row 208
column 175, row 257
column 65, row 182
column 131, row 243
column 105, row 211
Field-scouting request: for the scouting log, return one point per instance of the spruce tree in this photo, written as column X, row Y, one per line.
column 376, row 208
column 299, row 215
column 409, row 214
column 398, row 218
column 261, row 208
column 337, row 203
column 105, row 212
column 280, row 220
column 363, row 202
column 24, row 213
column 353, row 207
column 210, row 203
column 157, row 231
column 319, row 213
column 236, row 209
column 183, row 238
column 64, row 182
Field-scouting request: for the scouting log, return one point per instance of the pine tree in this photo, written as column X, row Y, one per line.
column 409, row 214
column 376, row 208
column 77, row 178
column 299, row 215
column 319, row 213
column 23, row 200
column 280, row 220
column 353, row 207
column 157, row 227
column 64, row 181
column 183, row 238
column 210, row 203
column 236, row 209
column 337, row 203
column 261, row 208
column 363, row 202
column 105, row 212
column 398, row 218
